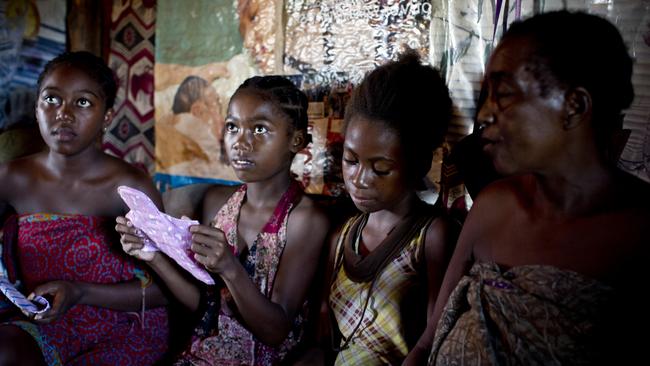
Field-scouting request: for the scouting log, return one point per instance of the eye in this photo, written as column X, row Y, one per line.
column 381, row 172
column 259, row 130
column 84, row 103
column 231, row 127
column 49, row 99
column 349, row 160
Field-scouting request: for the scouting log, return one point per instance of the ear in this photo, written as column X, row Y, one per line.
column 578, row 107
column 297, row 141
column 108, row 118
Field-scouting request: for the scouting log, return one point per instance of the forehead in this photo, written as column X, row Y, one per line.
column 372, row 138
column 513, row 55
column 247, row 104
column 68, row 76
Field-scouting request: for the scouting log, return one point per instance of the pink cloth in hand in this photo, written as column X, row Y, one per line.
column 163, row 232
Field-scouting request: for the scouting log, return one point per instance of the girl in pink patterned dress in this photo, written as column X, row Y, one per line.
column 62, row 239
column 262, row 243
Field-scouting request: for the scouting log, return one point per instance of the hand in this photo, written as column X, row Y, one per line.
column 211, row 249
column 63, row 295
column 132, row 239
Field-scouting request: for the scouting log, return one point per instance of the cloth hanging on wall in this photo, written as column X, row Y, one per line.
column 131, row 135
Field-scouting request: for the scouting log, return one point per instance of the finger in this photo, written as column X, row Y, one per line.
column 208, row 241
column 206, row 262
column 132, row 249
column 207, row 230
column 50, row 288
column 131, row 239
column 124, row 229
column 203, row 250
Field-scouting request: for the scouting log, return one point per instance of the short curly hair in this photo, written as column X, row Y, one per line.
column 91, row 65
column 575, row 49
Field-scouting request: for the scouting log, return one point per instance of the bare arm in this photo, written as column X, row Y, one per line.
column 440, row 240
column 176, row 281
column 320, row 330
column 270, row 320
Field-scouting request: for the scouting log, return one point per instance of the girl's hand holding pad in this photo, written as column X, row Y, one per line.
column 132, row 240
column 212, row 250
column 64, row 295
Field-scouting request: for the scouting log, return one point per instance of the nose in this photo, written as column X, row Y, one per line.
column 485, row 115
column 361, row 177
column 243, row 141
column 63, row 113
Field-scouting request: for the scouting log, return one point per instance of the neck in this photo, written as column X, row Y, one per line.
column 268, row 192
column 73, row 165
column 385, row 220
column 577, row 191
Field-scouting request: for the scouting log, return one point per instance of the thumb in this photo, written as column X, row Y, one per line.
column 45, row 289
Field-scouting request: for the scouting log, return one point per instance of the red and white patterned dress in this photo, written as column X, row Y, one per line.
column 230, row 343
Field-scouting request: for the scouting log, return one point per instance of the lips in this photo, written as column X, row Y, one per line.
column 241, row 163
column 360, row 199
column 64, row 133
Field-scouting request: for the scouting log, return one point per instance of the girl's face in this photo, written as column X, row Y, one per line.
column 71, row 110
column 258, row 138
column 374, row 166
column 522, row 127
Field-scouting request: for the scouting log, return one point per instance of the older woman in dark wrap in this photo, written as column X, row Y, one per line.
column 551, row 259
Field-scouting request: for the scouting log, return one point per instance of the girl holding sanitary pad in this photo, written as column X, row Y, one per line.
column 262, row 242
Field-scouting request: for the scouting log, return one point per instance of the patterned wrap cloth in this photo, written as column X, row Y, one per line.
column 231, row 343
column 398, row 297
column 78, row 248
column 528, row 315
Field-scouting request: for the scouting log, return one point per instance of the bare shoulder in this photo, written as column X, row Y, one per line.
column 186, row 200
column 442, row 233
column 19, row 176
column 214, row 198
column 502, row 197
column 123, row 173
column 308, row 223
column 309, row 214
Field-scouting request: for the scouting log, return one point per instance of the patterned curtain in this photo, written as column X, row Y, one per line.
column 131, row 135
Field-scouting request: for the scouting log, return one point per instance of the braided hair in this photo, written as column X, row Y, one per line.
column 284, row 94
column 91, row 65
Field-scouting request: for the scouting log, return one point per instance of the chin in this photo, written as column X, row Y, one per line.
column 366, row 207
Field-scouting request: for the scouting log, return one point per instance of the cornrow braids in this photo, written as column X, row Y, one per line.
column 91, row 65
column 289, row 99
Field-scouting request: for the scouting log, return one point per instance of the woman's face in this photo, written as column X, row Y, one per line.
column 522, row 127
column 71, row 110
column 374, row 167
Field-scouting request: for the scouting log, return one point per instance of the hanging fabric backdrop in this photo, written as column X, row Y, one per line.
column 131, row 135
column 326, row 47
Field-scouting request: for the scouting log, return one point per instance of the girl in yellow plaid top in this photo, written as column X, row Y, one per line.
column 386, row 264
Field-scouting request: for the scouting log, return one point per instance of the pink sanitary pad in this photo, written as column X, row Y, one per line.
column 163, row 232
